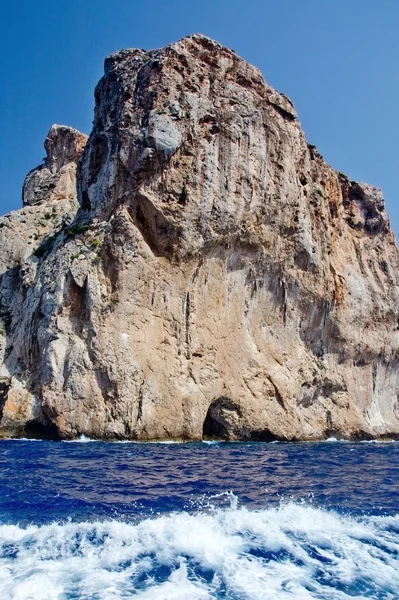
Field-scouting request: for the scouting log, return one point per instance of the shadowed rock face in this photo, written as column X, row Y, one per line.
column 219, row 279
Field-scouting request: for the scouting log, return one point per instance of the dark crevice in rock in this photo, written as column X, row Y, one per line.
column 98, row 157
column 278, row 396
column 187, row 312
column 76, row 300
column 360, row 435
column 263, row 435
column 85, row 201
column 4, row 387
column 183, row 197
column 34, row 351
column 284, row 113
column 284, row 302
column 140, row 405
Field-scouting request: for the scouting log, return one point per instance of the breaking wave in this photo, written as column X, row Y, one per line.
column 293, row 551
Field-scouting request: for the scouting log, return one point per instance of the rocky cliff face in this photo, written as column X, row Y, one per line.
column 219, row 279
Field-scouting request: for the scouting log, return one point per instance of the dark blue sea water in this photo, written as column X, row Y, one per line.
column 102, row 521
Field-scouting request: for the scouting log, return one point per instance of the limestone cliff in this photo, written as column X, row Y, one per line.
column 218, row 279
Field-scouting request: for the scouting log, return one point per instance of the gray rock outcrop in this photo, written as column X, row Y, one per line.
column 218, row 280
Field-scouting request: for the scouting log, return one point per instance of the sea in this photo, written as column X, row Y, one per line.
column 166, row 521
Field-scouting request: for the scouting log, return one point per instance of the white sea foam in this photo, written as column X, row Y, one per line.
column 83, row 439
column 380, row 441
column 20, row 440
column 293, row 551
column 213, row 442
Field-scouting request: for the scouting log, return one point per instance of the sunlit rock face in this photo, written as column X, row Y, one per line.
column 50, row 205
column 218, row 280
column 55, row 179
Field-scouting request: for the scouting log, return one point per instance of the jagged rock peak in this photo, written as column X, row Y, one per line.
column 63, row 145
column 196, row 38
column 56, row 178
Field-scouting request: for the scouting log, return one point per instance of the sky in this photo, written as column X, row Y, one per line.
column 336, row 59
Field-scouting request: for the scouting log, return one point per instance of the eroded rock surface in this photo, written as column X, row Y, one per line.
column 218, row 280
column 26, row 237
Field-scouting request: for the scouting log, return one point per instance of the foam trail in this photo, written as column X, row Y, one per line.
column 294, row 551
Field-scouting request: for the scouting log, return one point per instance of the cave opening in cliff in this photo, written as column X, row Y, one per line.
column 215, row 426
column 43, row 431
column 224, row 421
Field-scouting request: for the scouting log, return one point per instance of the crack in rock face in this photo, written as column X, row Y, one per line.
column 195, row 269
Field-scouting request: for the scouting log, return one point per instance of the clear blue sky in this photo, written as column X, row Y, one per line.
column 336, row 59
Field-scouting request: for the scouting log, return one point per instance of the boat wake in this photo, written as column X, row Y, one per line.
column 294, row 551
